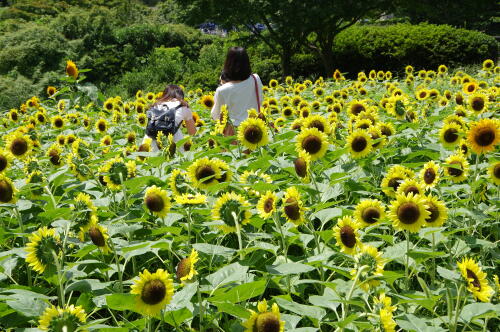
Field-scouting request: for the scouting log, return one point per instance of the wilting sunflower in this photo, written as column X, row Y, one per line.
column 5, row 160
column 231, row 208
column 318, row 122
column 117, row 171
column 408, row 212
column 484, row 135
column 190, row 199
column 346, row 233
column 438, row 213
column 153, row 291
column 101, row 125
column 302, row 166
column 312, row 141
column 494, row 172
column 460, row 169
column 185, row 269
column 477, row 102
column 450, row 134
column 99, row 236
column 41, row 245
column 207, row 101
column 410, row 186
column 359, row 143
column 293, row 209
column 369, row 212
column 267, row 204
column 477, row 283
column 265, row 321
column 18, row 145
column 252, row 133
column 71, row 69
column 370, row 260
column 430, row 174
column 157, row 201
column 58, row 319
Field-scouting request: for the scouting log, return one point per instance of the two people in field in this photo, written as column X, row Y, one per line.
column 239, row 90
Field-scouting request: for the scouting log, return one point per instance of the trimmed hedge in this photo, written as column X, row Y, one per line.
column 423, row 46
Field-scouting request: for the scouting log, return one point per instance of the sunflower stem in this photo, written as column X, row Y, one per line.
column 47, row 190
column 60, row 286
column 188, row 212
column 407, row 260
column 117, row 261
column 238, row 234
column 351, row 290
column 458, row 308
column 433, row 271
column 201, row 309
column 21, row 226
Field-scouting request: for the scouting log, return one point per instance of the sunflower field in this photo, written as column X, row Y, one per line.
column 344, row 205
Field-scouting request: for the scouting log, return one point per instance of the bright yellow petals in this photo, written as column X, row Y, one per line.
column 494, row 172
column 312, row 141
column 458, row 168
column 204, row 173
column 55, row 318
column 369, row 212
column 71, row 69
column 190, row 199
column 408, row 212
column 153, row 291
column 318, row 122
column 5, row 160
column 207, row 101
column 450, row 135
column 252, row 133
column 410, row 186
column 18, row 144
column 42, row 246
column 263, row 320
column 346, row 233
column 477, row 283
column 231, row 209
column 267, row 205
column 369, row 265
column 429, row 175
column 185, row 269
column 438, row 213
column 99, row 236
column 483, row 136
column 293, row 209
column 116, row 171
column 359, row 143
column 157, row 201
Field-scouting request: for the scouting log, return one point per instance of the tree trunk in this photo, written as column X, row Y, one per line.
column 326, row 55
column 286, row 61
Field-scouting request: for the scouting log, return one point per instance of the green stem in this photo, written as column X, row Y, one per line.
column 189, row 225
column 351, row 290
column 238, row 234
column 433, row 272
column 47, row 190
column 201, row 309
column 117, row 262
column 21, row 226
column 60, row 286
column 407, row 260
column 284, row 247
column 457, row 308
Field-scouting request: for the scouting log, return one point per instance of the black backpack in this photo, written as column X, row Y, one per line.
column 161, row 118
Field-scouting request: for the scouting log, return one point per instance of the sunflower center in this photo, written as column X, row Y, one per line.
column 364, row 125
column 347, row 236
column 253, row 134
column 496, row 171
column 300, row 167
column 154, row 292
column 312, row 144
column 475, row 280
column 267, row 322
column 386, row 131
column 434, row 213
column 455, row 171
column 459, row 100
column 287, row 112
column 370, row 215
column 359, row 143
column 357, row 108
column 97, row 237
column 471, row 88
column 144, row 148
column 58, row 123
column 292, row 209
column 19, row 146
column 183, row 268
column 154, row 202
column 429, row 176
column 41, row 118
column 412, row 189
column 450, row 135
column 3, row 163
column 205, row 172
column 408, row 213
column 101, row 126
column 484, row 137
column 394, row 183
column 6, row 191
column 477, row 104
column 131, row 139
column 317, row 124
column 268, row 205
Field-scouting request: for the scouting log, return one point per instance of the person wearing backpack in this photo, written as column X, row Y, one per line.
column 166, row 115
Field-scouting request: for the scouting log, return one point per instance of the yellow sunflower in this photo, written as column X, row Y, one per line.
column 5, row 160
column 422, row 94
column 157, row 201
column 302, row 166
column 459, row 169
column 58, row 319
column 117, row 171
column 477, row 283
column 99, row 236
column 450, row 135
column 101, row 125
column 390, row 183
column 470, row 87
column 39, row 250
column 19, row 145
column 494, row 172
column 318, row 122
column 408, row 212
column 204, row 172
column 185, row 269
column 207, row 101
column 483, row 136
column 71, row 69
column 153, row 291
column 355, row 107
column 273, row 83
column 429, row 174
column 312, row 141
column 231, row 208
column 84, row 214
column 488, row 65
column 386, row 128
column 7, row 190
column 178, row 182
column 387, row 320
column 410, row 186
column 370, row 264
column 265, row 321
column 190, row 199
column 346, row 234
column 252, row 133
column 293, row 209
column 438, row 213
column 369, row 212
column 51, row 90
column 477, row 102
column 359, row 143
column 267, row 204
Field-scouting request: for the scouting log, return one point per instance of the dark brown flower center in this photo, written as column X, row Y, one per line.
column 97, row 237
column 434, row 212
column 357, row 108
column 19, row 146
column 187, row 146
column 205, row 172
column 370, row 215
column 455, row 171
column 412, row 189
column 209, row 103
column 253, row 134
column 364, row 125
column 101, row 126
column 312, row 144
column 429, row 175
column 71, row 139
column 54, row 158
column 318, row 125
column 153, row 292
column 471, row 87
column 386, row 131
column 3, row 163
column 450, row 135
column 475, row 282
column 267, row 322
column 6, row 191
column 130, row 139
column 394, row 183
column 359, row 143
column 300, row 167
column 496, row 171
column 422, row 94
column 183, row 268
column 477, row 104
column 408, row 213
column 459, row 99
column 347, row 236
column 484, row 136
column 292, row 209
column 154, row 202
column 268, row 205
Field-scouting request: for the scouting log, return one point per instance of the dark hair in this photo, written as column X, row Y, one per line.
column 237, row 64
column 172, row 91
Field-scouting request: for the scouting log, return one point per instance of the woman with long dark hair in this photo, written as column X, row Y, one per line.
column 240, row 89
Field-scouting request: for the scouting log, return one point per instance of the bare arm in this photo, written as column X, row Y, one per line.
column 190, row 126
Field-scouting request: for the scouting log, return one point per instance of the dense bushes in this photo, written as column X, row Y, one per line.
column 423, row 46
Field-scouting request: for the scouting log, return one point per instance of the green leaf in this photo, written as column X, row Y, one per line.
column 230, row 273
column 447, row 274
column 479, row 310
column 176, row 318
column 301, row 309
column 289, row 268
column 121, row 302
column 235, row 310
column 240, row 293
column 212, row 249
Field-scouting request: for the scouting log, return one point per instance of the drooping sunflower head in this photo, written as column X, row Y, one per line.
column 429, row 174
column 71, row 69
column 477, row 283
column 7, row 190
column 369, row 212
column 346, row 233
column 153, row 291
column 312, row 141
column 117, row 171
column 207, row 101
column 264, row 320
column 484, row 135
column 408, row 212
column 231, row 208
column 458, row 168
column 302, row 165
column 99, row 236
column 156, row 201
column 494, row 172
column 56, row 319
column 359, row 143
column 369, row 265
column 42, row 246
column 18, row 144
column 5, row 160
column 293, row 209
column 438, row 213
column 185, row 269
column 252, row 133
